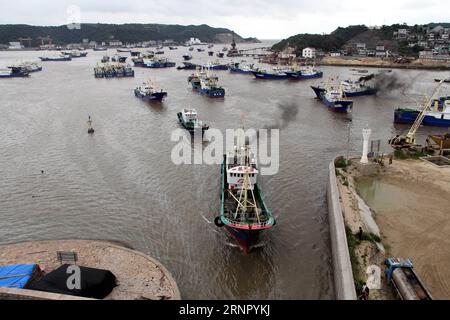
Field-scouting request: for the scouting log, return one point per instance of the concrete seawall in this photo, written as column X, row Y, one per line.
column 342, row 269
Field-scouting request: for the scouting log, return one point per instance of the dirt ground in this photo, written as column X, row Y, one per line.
column 414, row 218
column 138, row 276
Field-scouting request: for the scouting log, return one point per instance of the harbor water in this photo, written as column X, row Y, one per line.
column 120, row 183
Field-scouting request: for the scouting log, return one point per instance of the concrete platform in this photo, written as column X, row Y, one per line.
column 138, row 275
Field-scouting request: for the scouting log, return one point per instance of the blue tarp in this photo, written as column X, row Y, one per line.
column 16, row 276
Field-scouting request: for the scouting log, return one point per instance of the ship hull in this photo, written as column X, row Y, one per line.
column 237, row 70
column 16, row 75
column 156, row 96
column 269, row 76
column 368, row 92
column 342, row 106
column 405, row 116
column 57, row 59
column 300, row 76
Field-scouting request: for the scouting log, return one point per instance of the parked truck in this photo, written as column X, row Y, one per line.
column 402, row 276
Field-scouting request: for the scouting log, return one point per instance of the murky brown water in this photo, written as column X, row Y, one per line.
column 120, row 183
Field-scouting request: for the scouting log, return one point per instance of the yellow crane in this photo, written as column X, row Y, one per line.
column 408, row 141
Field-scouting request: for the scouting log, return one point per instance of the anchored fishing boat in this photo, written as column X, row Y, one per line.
column 304, row 73
column 187, row 57
column 75, row 54
column 215, row 66
column 188, row 119
column 243, row 211
column 99, row 49
column 27, row 67
column 113, row 71
column 276, row 74
column 356, row 88
column 157, row 63
column 206, row 84
column 173, row 48
column 333, row 98
column 437, row 115
column 187, row 66
column 56, row 58
column 13, row 72
column 149, row 92
column 117, row 58
column 210, row 53
column 191, row 48
column 220, row 54
column 122, row 50
column 200, row 49
column 244, row 69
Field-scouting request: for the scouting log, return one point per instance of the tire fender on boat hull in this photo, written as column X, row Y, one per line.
column 218, row 222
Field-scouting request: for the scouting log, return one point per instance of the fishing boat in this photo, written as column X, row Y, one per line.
column 275, row 74
column 135, row 53
column 224, row 49
column 27, row 67
column 149, row 92
column 113, row 71
column 243, row 211
column 56, row 58
column 356, row 88
column 159, row 52
column 187, row 57
column 187, row 66
column 173, row 48
column 210, row 46
column 304, row 73
column 188, row 119
column 105, row 59
column 206, row 84
column 220, row 54
column 200, row 49
column 99, row 49
column 90, row 129
column 75, row 54
column 438, row 115
column 243, row 69
column 122, row 50
column 13, row 72
column 333, row 98
column 191, row 48
column 157, row 63
column 215, row 66
column 210, row 53
column 117, row 58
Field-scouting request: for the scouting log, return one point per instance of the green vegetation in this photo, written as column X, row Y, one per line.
column 342, row 163
column 127, row 33
column 329, row 42
column 407, row 154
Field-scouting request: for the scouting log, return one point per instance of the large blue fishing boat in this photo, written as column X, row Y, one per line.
column 215, row 66
column 333, row 99
column 276, row 74
column 148, row 92
column 304, row 73
column 206, row 84
column 243, row 211
column 438, row 115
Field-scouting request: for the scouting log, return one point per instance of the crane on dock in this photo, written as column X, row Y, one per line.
column 409, row 141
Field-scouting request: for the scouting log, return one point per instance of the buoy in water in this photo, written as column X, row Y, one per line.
column 90, row 129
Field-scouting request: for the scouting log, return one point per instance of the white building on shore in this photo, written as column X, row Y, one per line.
column 309, row 53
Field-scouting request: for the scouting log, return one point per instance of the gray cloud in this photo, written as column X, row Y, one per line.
column 261, row 18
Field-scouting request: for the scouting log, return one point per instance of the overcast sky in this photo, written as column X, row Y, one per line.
column 264, row 19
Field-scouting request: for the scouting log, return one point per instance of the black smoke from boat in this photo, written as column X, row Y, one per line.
column 385, row 82
column 287, row 113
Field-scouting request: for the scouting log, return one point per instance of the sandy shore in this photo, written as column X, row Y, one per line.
column 384, row 63
column 138, row 276
column 412, row 204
